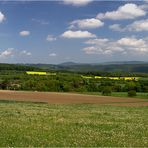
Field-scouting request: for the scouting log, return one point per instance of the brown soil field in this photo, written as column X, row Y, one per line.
column 68, row 98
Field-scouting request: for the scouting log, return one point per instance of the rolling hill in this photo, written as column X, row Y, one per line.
column 125, row 66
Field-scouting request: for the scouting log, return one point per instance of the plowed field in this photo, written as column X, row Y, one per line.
column 68, row 98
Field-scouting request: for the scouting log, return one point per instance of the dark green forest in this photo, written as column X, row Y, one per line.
column 14, row 77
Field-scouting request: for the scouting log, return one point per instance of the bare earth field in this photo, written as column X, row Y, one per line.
column 68, row 98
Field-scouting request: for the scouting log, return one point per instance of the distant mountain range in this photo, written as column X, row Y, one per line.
column 125, row 62
column 104, row 63
column 124, row 66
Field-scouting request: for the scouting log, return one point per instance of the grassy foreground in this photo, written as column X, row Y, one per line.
column 38, row 124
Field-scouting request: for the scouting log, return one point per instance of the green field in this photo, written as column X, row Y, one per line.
column 119, row 94
column 124, row 94
column 42, row 125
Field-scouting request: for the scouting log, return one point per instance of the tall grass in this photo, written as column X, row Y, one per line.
column 85, row 125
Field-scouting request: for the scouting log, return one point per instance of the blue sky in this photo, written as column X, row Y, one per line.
column 83, row 31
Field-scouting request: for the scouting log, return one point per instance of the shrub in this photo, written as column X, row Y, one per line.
column 106, row 91
column 131, row 93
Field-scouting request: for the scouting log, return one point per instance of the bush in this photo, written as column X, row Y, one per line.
column 106, row 91
column 131, row 93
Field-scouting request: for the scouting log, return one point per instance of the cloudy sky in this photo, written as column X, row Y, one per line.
column 83, row 31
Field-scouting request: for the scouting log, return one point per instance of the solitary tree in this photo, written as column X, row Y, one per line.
column 131, row 93
column 107, row 91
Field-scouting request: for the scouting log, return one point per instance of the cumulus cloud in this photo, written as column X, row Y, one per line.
column 2, row 17
column 86, row 23
column 11, row 52
column 52, row 54
column 101, row 46
column 125, row 45
column 7, row 53
column 77, row 2
column 127, row 11
column 24, row 33
column 140, row 25
column 77, row 34
column 116, row 27
column 98, row 49
column 50, row 38
column 131, row 42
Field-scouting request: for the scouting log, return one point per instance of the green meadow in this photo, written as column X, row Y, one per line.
column 119, row 94
column 24, row 124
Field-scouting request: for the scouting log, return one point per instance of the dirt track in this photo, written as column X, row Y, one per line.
column 67, row 98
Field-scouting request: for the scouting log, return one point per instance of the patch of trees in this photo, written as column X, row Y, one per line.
column 17, row 67
column 67, row 82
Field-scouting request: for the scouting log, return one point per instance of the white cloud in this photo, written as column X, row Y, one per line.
column 140, row 25
column 24, row 52
column 122, row 46
column 50, row 38
column 2, row 17
column 11, row 52
column 116, row 27
column 52, row 54
column 86, row 23
column 97, row 41
column 127, row 11
column 131, row 42
column 78, row 34
column 7, row 53
column 24, row 33
column 98, row 46
column 77, row 2
column 92, row 50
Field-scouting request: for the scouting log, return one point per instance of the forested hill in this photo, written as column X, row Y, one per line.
column 141, row 67
column 17, row 67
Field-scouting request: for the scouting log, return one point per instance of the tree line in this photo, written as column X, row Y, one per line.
column 67, row 82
